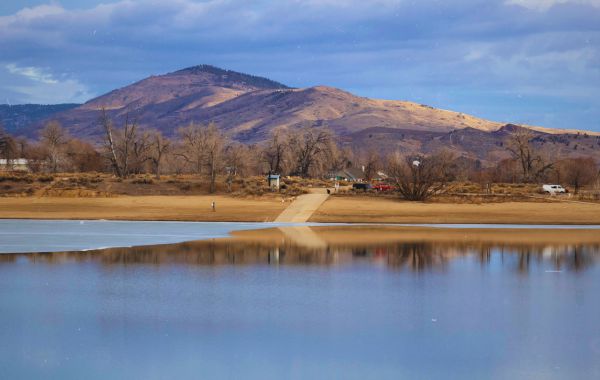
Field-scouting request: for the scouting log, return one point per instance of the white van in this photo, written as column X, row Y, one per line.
column 553, row 189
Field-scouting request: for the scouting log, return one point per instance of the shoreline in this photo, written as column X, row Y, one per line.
column 315, row 238
column 350, row 210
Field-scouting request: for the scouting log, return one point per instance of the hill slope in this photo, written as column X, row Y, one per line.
column 249, row 108
column 17, row 118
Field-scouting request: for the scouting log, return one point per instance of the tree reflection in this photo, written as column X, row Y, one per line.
column 411, row 256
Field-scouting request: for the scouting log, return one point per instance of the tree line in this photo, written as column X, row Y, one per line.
column 203, row 149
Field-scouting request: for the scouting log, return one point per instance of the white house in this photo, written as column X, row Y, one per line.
column 17, row 164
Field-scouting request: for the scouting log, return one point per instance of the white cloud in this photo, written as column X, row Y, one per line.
column 542, row 5
column 32, row 14
column 40, row 86
column 33, row 73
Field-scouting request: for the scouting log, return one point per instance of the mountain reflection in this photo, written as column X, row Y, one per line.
column 277, row 248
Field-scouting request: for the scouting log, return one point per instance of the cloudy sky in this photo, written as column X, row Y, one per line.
column 523, row 61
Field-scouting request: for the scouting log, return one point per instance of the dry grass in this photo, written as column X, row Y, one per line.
column 388, row 210
column 105, row 185
column 183, row 208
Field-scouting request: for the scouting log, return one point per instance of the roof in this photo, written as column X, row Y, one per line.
column 351, row 173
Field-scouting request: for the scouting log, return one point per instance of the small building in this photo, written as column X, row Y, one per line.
column 349, row 174
column 274, row 181
column 17, row 164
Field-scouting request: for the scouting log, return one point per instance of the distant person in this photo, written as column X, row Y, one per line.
column 328, row 191
column 214, row 206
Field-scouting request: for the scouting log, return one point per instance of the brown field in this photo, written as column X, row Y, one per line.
column 182, row 208
column 375, row 234
column 354, row 209
column 387, row 210
column 90, row 185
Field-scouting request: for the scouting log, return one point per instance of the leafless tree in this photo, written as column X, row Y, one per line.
column 191, row 146
column 341, row 158
column 275, row 153
column 110, row 145
column 371, row 164
column 417, row 178
column 579, row 172
column 83, row 157
column 126, row 148
column 531, row 162
column 203, row 147
column 159, row 146
column 309, row 148
column 214, row 144
column 8, row 148
column 237, row 159
column 54, row 140
column 141, row 152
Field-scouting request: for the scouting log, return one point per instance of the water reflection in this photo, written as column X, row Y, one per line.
column 343, row 302
column 330, row 247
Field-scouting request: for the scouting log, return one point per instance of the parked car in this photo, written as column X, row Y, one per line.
column 361, row 186
column 553, row 189
column 382, row 187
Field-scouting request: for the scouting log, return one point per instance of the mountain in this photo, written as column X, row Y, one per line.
column 16, row 119
column 249, row 108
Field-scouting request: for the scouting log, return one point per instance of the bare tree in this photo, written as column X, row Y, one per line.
column 54, row 140
column 214, row 143
column 341, row 158
column 579, row 172
column 417, row 178
column 141, row 150
column 309, row 147
column 371, row 164
column 275, row 153
column 531, row 162
column 192, row 149
column 202, row 147
column 237, row 159
column 126, row 148
column 109, row 143
column 83, row 157
column 159, row 146
column 8, row 147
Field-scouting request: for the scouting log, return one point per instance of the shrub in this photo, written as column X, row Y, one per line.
column 142, row 181
column 45, row 178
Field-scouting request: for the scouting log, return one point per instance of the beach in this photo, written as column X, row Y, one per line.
column 335, row 209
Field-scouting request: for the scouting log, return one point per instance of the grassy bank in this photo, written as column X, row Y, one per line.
column 388, row 210
column 181, row 208
column 353, row 209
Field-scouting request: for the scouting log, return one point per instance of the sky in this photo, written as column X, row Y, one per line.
column 533, row 62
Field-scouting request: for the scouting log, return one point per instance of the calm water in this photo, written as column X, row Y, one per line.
column 274, row 309
column 22, row 235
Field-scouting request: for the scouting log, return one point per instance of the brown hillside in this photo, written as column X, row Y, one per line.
column 249, row 108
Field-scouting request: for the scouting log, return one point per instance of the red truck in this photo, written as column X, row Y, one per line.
column 382, row 187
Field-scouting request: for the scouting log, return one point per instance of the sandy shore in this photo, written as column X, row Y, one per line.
column 376, row 235
column 380, row 210
column 180, row 208
column 335, row 209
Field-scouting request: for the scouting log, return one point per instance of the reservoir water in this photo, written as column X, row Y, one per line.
column 332, row 302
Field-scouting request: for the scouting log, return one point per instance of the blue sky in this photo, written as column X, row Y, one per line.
column 524, row 61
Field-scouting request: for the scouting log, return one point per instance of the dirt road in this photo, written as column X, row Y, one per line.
column 303, row 207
